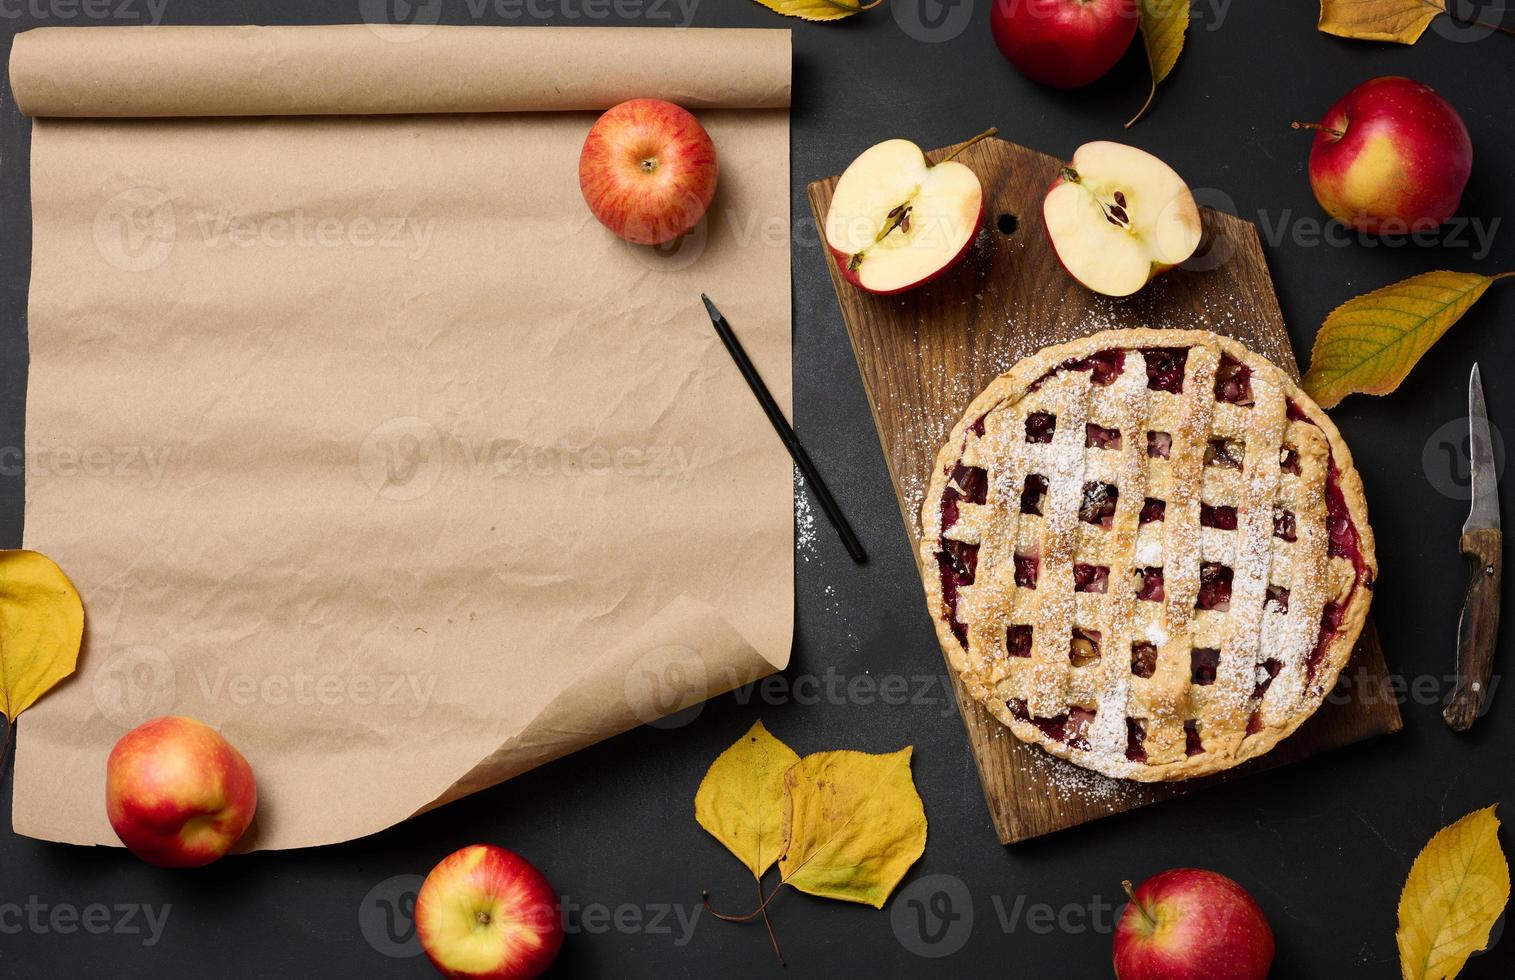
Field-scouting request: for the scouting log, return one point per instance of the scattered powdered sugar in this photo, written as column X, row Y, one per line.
column 804, row 519
column 1068, row 781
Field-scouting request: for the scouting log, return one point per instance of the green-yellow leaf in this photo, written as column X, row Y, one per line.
column 1399, row 21
column 41, row 624
column 1164, row 24
column 1369, row 344
column 853, row 826
column 819, row 9
column 741, row 799
column 1456, row 890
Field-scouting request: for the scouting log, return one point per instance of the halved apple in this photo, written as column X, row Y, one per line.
column 1119, row 216
column 896, row 221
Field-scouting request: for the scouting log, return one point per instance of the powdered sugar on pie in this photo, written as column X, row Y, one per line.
column 1148, row 552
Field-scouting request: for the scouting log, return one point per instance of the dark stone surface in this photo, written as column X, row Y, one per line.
column 1323, row 845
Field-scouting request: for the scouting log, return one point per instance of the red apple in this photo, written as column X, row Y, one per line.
column 1119, row 216
column 177, row 793
column 1189, row 924
column 1391, row 157
column 486, row 912
column 648, row 171
column 1064, row 43
column 896, row 221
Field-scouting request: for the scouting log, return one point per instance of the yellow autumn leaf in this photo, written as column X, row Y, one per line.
column 819, row 9
column 41, row 624
column 1456, row 890
column 853, row 826
column 1369, row 344
column 741, row 799
column 1164, row 24
column 1399, row 21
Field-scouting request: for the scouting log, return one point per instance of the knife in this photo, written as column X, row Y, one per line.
column 1483, row 546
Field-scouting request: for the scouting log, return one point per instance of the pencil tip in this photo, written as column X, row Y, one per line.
column 715, row 314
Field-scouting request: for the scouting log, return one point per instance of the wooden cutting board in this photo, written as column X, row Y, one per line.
column 926, row 354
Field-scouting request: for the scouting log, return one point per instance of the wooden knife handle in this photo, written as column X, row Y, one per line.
column 1478, row 630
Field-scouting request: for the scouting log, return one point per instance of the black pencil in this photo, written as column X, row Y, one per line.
column 786, row 432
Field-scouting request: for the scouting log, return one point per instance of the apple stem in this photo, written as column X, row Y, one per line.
column 991, row 131
column 1131, row 893
column 1151, row 96
column 1324, row 129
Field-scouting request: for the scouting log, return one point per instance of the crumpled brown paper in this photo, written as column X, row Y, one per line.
column 361, row 439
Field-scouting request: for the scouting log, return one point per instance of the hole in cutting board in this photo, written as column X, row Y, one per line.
column 1007, row 223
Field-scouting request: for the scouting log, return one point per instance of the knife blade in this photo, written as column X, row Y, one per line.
column 1482, row 545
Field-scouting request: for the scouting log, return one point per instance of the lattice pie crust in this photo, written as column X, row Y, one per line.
column 1148, row 552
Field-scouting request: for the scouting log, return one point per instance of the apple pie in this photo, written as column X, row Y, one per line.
column 1147, row 551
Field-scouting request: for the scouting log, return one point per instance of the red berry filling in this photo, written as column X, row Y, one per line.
column 957, row 562
column 1214, row 587
column 1083, row 648
column 1040, row 427
column 1165, row 368
column 1136, row 736
column 1339, row 524
column 1203, row 663
column 1079, row 720
column 1270, row 669
column 1143, row 659
column 1027, row 567
column 1150, row 587
column 1091, row 578
column 1192, row 743
column 1033, row 494
column 1159, row 444
column 1099, row 504
column 1277, row 599
column 1283, row 524
column 1330, row 622
column 1018, row 641
column 1104, row 367
column 1153, row 510
column 1225, row 453
column 1098, row 437
column 1222, row 518
column 1233, row 381
column 972, row 482
column 1288, row 460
